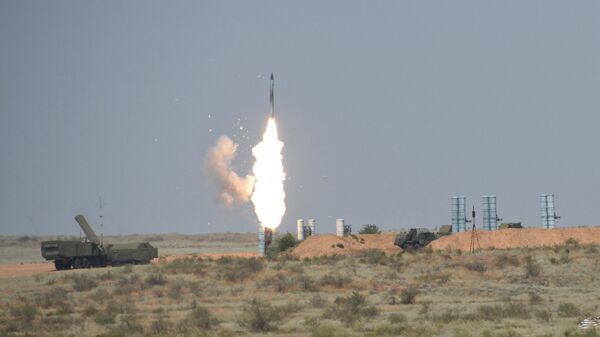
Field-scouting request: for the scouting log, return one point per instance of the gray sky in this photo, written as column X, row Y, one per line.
column 387, row 109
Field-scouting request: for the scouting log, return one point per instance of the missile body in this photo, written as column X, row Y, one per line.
column 272, row 96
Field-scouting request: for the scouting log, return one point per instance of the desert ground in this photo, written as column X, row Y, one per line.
column 215, row 285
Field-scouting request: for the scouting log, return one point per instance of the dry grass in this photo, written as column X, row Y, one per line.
column 519, row 292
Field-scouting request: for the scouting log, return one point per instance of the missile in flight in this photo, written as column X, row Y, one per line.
column 272, row 96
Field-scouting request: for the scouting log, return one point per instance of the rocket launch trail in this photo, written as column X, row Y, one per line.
column 272, row 96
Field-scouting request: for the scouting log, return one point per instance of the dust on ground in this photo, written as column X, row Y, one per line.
column 519, row 238
column 330, row 244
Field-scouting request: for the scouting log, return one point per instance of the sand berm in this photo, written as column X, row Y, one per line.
column 516, row 238
column 501, row 239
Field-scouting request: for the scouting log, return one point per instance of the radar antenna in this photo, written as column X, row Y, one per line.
column 474, row 236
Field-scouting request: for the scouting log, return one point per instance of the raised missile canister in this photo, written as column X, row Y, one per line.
column 272, row 96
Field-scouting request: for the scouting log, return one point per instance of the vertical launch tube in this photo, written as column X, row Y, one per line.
column 312, row 224
column 261, row 240
column 300, row 228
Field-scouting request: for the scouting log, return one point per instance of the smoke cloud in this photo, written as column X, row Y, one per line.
column 234, row 189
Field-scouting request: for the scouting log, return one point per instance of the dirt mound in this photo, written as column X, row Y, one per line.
column 330, row 244
column 515, row 238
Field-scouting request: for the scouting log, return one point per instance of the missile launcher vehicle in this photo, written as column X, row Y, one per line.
column 91, row 252
column 417, row 238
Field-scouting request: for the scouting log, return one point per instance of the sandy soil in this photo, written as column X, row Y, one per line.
column 27, row 269
column 514, row 238
column 204, row 255
column 16, row 270
column 331, row 244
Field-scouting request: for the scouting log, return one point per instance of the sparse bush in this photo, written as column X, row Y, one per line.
column 543, row 315
column 239, row 270
column 317, row 301
column 89, row 311
column 564, row 257
column 121, row 308
column 53, row 322
column 279, row 282
column 397, row 318
column 339, row 245
column 424, row 308
column 64, row 308
column 535, row 298
column 498, row 312
column 296, row 268
column 25, row 312
column 585, row 333
column 306, row 283
column 369, row 229
column 108, row 276
column 327, row 331
column 254, row 265
column 83, row 282
column 476, row 266
column 490, row 312
column 447, row 316
column 434, row 278
column 53, row 297
column 202, row 319
column 259, row 316
column 409, row 295
column 129, row 325
column 100, row 295
column 516, row 310
column 155, row 279
column 286, row 242
column 127, row 269
column 174, row 289
column 507, row 260
column 336, row 280
column 572, row 243
column 126, row 285
column 351, row 308
column 591, row 249
column 187, row 265
column 568, row 310
column 532, row 267
column 105, row 317
column 288, row 308
column 161, row 326
column 375, row 256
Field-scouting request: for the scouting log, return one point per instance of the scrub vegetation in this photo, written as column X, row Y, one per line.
column 518, row 292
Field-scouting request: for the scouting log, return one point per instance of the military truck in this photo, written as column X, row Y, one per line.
column 506, row 225
column 416, row 238
column 91, row 252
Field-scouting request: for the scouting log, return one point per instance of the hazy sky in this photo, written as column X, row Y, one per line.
column 387, row 109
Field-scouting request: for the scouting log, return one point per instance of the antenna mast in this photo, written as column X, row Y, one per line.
column 101, row 220
column 474, row 236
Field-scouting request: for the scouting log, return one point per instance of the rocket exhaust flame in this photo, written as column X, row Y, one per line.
column 269, row 196
column 264, row 187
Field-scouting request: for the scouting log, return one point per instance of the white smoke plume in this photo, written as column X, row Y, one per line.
column 234, row 189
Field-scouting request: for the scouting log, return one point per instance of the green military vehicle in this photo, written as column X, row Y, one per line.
column 507, row 225
column 76, row 254
column 416, row 238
